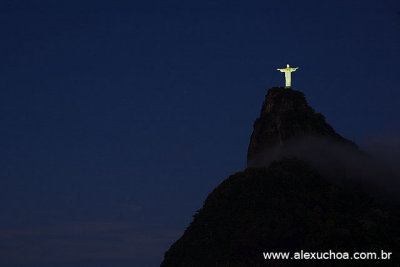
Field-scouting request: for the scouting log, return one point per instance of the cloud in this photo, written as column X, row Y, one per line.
column 377, row 173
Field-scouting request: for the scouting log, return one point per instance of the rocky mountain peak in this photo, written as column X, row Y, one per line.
column 285, row 115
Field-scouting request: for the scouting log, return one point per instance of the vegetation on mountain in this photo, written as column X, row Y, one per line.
column 312, row 201
column 286, row 207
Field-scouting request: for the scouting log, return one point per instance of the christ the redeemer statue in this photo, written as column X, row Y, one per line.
column 288, row 70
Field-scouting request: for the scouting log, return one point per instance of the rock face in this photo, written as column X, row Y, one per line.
column 288, row 205
column 285, row 115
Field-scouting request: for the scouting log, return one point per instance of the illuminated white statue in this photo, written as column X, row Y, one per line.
column 288, row 70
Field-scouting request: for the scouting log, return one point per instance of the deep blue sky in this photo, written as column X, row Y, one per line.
column 119, row 117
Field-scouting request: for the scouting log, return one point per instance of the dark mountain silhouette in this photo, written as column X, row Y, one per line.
column 289, row 201
column 286, row 116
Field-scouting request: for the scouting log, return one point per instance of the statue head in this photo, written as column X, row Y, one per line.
column 287, row 65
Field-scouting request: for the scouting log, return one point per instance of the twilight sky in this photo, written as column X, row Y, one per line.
column 118, row 118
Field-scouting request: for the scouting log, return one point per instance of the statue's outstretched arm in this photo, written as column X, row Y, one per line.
column 281, row 70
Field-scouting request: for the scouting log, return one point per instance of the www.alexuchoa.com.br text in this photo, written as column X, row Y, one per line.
column 327, row 255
